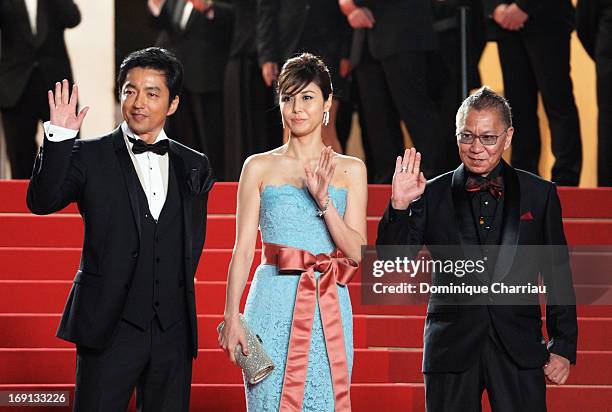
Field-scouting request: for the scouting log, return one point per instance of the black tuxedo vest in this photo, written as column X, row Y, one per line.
column 158, row 285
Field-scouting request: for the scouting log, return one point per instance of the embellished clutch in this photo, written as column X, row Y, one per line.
column 257, row 365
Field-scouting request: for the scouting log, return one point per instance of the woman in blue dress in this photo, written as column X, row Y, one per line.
column 310, row 205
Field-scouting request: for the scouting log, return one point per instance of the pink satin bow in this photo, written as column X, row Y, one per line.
column 335, row 269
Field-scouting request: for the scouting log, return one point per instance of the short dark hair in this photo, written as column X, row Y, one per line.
column 158, row 59
column 298, row 72
column 484, row 99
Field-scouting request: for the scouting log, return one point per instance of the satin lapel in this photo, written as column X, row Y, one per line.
column 129, row 174
column 21, row 15
column 464, row 219
column 510, row 223
column 186, row 198
column 42, row 21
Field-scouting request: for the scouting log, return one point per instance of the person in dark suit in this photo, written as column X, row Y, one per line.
column 533, row 41
column 594, row 27
column 286, row 28
column 252, row 122
column 33, row 56
column 390, row 53
column 199, row 33
column 497, row 344
column 131, row 311
column 444, row 67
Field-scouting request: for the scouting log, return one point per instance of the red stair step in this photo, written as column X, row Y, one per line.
column 16, row 297
column 364, row 398
column 41, row 366
column 65, row 230
column 24, row 263
column 576, row 202
column 38, row 331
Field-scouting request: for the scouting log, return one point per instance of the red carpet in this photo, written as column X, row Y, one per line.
column 39, row 256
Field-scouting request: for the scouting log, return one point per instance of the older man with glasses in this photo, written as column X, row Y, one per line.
column 487, row 206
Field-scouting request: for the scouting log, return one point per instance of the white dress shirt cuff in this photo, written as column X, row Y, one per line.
column 57, row 133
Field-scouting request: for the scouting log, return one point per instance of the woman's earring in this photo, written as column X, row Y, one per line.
column 326, row 117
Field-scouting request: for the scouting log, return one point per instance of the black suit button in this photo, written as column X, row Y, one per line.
column 135, row 255
column 156, row 303
column 157, row 281
column 157, row 260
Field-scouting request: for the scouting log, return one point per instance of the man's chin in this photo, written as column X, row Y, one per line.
column 478, row 169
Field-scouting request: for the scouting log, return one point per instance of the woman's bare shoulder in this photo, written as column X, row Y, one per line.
column 349, row 168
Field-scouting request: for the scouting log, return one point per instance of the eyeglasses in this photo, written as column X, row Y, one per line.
column 485, row 139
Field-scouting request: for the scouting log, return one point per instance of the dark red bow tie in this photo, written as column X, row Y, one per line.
column 493, row 186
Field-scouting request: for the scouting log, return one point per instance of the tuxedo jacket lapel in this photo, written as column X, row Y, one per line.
column 179, row 167
column 23, row 18
column 465, row 220
column 510, row 223
column 129, row 174
column 42, row 21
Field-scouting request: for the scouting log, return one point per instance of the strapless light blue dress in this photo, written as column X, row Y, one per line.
column 288, row 217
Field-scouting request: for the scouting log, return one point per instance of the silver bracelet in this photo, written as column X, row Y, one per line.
column 321, row 212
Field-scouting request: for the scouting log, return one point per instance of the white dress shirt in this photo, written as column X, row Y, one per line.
column 32, row 8
column 151, row 168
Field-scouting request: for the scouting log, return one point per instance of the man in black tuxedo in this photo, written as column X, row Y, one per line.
column 390, row 54
column 131, row 310
column 594, row 28
column 199, row 34
column 485, row 202
column 533, row 42
column 33, row 57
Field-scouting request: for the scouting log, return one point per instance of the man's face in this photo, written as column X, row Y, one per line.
column 478, row 158
column 144, row 102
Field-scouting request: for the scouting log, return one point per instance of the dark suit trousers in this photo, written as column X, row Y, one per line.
column 198, row 124
column 21, row 124
column 540, row 62
column 156, row 362
column 510, row 389
column 603, row 64
column 394, row 89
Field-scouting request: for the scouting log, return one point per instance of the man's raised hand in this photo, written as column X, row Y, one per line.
column 408, row 180
column 63, row 106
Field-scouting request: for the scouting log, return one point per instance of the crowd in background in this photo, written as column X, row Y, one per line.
column 390, row 61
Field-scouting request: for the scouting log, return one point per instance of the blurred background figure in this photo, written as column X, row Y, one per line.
column 391, row 50
column 445, row 65
column 33, row 58
column 288, row 27
column 199, row 33
column 252, row 120
column 594, row 26
column 533, row 40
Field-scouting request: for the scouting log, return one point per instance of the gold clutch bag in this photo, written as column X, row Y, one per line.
column 257, row 365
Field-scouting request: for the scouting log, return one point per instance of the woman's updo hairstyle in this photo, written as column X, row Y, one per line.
column 298, row 72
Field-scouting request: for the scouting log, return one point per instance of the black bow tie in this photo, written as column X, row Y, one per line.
column 493, row 186
column 139, row 146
